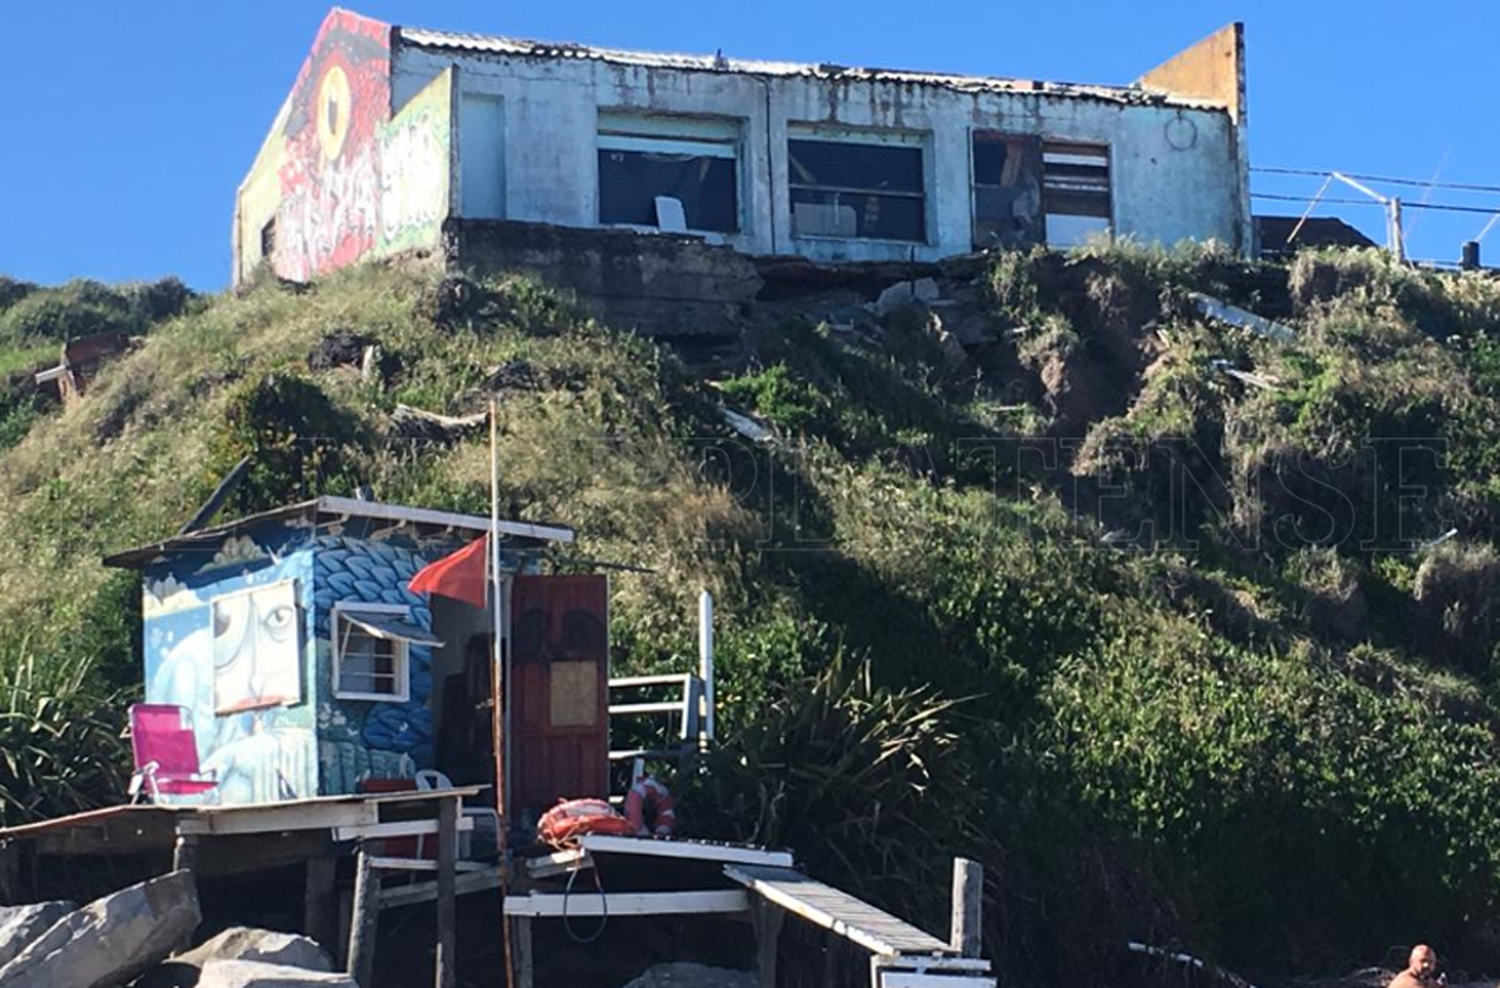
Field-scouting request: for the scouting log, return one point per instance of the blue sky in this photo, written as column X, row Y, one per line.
column 128, row 125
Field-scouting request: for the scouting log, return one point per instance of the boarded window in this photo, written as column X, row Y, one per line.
column 1007, row 190
column 655, row 178
column 574, row 700
column 1075, row 191
column 851, row 189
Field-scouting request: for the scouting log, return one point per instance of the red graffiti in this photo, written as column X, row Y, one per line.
column 330, row 181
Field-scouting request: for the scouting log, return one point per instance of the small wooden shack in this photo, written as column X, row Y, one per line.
column 321, row 689
column 310, row 668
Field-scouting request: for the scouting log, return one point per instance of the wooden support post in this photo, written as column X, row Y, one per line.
column 185, row 852
column 966, row 936
column 320, row 900
column 525, row 964
column 10, row 874
column 362, row 925
column 446, row 974
column 767, row 920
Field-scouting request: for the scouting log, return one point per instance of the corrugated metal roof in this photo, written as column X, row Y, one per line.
column 497, row 45
column 339, row 507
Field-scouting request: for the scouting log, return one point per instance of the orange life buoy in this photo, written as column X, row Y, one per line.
column 571, row 818
column 648, row 791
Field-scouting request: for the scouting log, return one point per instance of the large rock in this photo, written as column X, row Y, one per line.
column 238, row 943
column 19, row 925
column 112, row 939
column 254, row 974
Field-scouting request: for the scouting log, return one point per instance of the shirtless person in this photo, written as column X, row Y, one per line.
column 1421, row 969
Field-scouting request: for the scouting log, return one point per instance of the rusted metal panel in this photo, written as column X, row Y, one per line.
column 560, row 666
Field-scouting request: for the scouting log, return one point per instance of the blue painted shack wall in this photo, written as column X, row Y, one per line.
column 321, row 745
column 258, row 755
column 359, row 739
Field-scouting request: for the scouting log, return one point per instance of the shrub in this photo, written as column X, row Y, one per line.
column 779, row 397
column 298, row 441
column 12, row 290
column 61, row 747
column 869, row 784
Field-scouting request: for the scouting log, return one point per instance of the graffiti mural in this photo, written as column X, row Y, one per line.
column 361, row 739
column 414, row 167
column 203, row 620
column 330, row 170
column 242, row 638
column 256, row 659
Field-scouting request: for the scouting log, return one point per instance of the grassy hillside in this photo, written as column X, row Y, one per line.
column 1272, row 739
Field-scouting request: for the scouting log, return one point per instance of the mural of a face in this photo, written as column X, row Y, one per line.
column 256, row 654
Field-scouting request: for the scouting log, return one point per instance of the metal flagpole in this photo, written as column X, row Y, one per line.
column 497, row 677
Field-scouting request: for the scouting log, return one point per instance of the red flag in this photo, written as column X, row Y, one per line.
column 461, row 575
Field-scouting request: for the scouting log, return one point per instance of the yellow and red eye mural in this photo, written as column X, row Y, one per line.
column 330, row 176
column 338, row 177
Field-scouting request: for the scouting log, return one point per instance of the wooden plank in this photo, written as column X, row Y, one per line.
column 482, row 879
column 874, row 929
column 364, row 924
column 445, row 973
column 581, row 904
column 107, row 833
column 419, row 864
column 135, row 814
column 396, row 828
column 314, row 813
column 274, row 817
column 558, row 863
column 525, row 959
column 686, row 849
column 965, row 935
column 240, row 854
column 767, row 920
column 320, row 899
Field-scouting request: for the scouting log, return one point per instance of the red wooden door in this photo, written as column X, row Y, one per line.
column 560, row 703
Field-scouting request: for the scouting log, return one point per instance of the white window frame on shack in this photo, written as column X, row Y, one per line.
column 799, row 184
column 673, row 138
column 383, row 635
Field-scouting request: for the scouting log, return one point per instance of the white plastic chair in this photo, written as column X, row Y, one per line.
column 431, row 779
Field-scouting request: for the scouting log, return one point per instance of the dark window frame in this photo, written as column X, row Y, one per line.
column 864, row 192
column 1022, row 176
column 612, row 141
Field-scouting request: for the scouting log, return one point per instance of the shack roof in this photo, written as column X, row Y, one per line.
column 324, row 510
column 490, row 44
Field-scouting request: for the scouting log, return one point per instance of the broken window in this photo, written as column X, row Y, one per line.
column 1007, row 190
column 857, row 189
column 1075, row 191
column 668, row 174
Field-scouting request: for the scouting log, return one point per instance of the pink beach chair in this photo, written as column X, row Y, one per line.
column 166, row 752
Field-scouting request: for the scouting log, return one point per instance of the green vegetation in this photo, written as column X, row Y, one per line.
column 1273, row 741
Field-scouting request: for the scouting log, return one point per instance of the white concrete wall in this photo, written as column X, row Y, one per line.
column 1174, row 172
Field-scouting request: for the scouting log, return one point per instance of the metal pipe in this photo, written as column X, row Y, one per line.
column 1355, row 185
column 706, row 660
column 497, row 612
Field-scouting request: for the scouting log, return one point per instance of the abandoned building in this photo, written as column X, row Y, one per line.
column 492, row 152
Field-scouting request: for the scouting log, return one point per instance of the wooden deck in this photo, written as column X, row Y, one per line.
column 874, row 929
